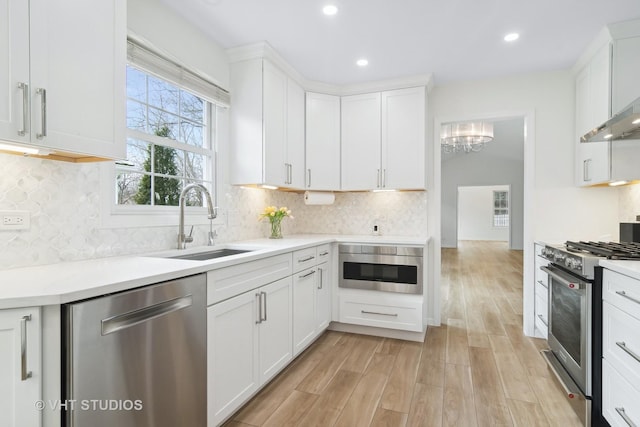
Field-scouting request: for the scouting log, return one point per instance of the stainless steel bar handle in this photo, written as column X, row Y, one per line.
column 543, row 321
column 384, row 178
column 585, row 170
column 325, row 253
column 135, row 317
column 25, row 108
column 624, row 294
column 309, row 258
column 320, row 281
column 625, row 417
column 24, row 374
column 264, row 301
column 624, row 347
column 308, row 177
column 43, row 111
column 378, row 178
column 307, row 275
column 381, row 314
column 259, row 297
column 543, row 284
column 567, row 283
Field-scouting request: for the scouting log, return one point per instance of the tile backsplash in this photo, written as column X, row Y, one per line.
column 64, row 203
column 629, row 202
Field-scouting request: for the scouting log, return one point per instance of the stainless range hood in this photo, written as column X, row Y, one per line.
column 624, row 125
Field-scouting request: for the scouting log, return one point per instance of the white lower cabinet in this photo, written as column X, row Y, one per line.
column 304, row 316
column 541, row 307
column 620, row 349
column 381, row 309
column 20, row 367
column 311, row 299
column 249, row 341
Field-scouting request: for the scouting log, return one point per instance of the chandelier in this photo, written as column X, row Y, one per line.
column 467, row 137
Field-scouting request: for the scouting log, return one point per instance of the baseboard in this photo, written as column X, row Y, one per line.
column 378, row 332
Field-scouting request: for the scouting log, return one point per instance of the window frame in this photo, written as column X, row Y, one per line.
column 502, row 219
column 115, row 215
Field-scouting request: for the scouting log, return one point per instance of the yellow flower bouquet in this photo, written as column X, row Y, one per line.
column 275, row 216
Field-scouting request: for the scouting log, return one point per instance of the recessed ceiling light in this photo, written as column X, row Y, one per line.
column 362, row 62
column 330, row 10
column 511, row 37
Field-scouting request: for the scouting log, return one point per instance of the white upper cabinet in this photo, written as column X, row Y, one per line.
column 383, row 140
column 361, row 142
column 63, row 88
column 403, row 138
column 593, row 105
column 625, row 84
column 322, row 142
column 267, row 125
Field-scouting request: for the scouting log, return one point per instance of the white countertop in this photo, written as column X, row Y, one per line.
column 71, row 281
column 628, row 268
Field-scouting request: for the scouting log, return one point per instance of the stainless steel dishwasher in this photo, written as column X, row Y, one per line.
column 137, row 358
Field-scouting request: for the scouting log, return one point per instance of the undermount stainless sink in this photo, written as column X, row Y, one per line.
column 217, row 253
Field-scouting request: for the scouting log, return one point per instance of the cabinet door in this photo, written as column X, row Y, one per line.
column 274, row 125
column 20, row 328
column 295, row 134
column 14, row 70
column 360, row 126
column 323, row 142
column 600, row 87
column 323, row 298
column 626, row 69
column 583, row 106
column 275, row 329
column 304, row 318
column 594, row 163
column 232, row 354
column 403, row 138
column 78, row 57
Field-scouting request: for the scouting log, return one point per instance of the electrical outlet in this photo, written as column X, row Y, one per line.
column 15, row 220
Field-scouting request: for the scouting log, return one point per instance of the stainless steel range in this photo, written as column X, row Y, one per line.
column 575, row 319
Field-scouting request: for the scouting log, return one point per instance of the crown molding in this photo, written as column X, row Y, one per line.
column 263, row 50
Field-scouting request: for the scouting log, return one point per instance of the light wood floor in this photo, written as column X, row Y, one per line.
column 477, row 369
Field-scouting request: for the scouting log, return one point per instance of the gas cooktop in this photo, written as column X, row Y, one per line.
column 609, row 250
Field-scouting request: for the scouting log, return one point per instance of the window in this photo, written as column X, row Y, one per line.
column 172, row 117
column 500, row 208
column 169, row 143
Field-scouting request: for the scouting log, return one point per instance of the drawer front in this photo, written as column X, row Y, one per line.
column 621, row 342
column 228, row 282
column 619, row 398
column 304, row 258
column 622, row 291
column 542, row 315
column 324, row 253
column 542, row 290
column 382, row 312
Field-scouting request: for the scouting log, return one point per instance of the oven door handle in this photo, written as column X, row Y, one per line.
column 577, row 285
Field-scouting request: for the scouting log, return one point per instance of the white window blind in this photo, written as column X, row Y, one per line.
column 166, row 69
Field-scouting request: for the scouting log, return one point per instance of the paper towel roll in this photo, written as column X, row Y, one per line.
column 318, row 198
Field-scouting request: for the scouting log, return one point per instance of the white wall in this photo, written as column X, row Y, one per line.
column 499, row 163
column 475, row 214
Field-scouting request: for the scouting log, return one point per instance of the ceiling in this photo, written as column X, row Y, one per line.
column 453, row 39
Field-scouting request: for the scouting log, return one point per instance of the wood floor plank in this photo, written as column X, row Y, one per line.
column 326, row 409
column 426, row 406
column 435, row 343
column 527, row 414
column 489, row 398
column 291, row 410
column 361, row 351
column 362, row 405
column 457, row 342
column 458, row 408
column 389, row 346
column 399, row 389
column 431, row 372
column 388, row 418
column 381, row 364
column 325, row 369
column 527, row 352
column 513, row 375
